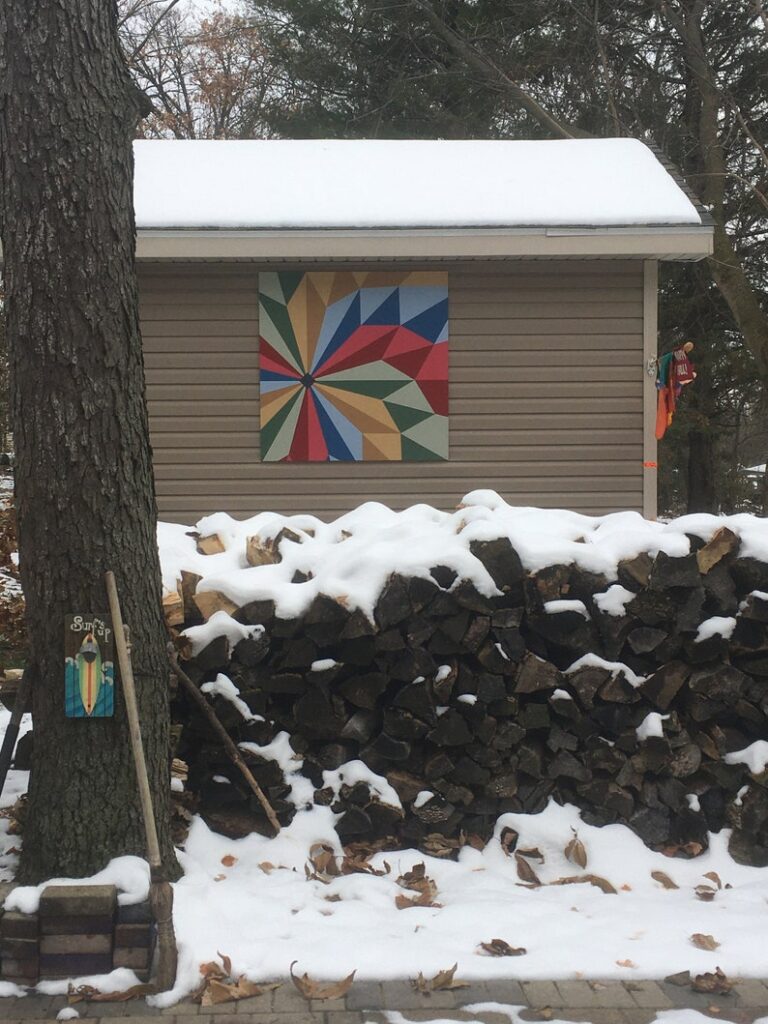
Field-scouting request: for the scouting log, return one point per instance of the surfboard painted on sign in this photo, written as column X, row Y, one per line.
column 89, row 671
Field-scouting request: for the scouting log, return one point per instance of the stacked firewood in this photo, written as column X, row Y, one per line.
column 470, row 707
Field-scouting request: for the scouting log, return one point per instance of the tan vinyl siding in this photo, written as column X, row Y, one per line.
column 546, row 394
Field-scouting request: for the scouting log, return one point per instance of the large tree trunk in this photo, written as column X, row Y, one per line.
column 84, row 489
column 702, row 493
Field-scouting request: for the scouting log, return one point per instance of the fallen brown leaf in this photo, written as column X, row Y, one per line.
column 663, row 877
column 313, row 990
column 439, row 846
column 704, row 942
column 360, row 865
column 218, row 985
column 532, row 853
column 598, row 880
column 414, row 878
column 714, row 877
column 417, row 881
column 575, row 852
column 323, row 861
column 690, row 849
column 267, row 867
column 705, row 893
column 682, row 978
column 121, row 997
column 218, row 991
column 212, row 970
column 228, row 860
column 77, row 995
column 525, row 872
column 714, row 983
column 423, row 899
column 442, row 980
column 508, row 840
column 498, row 947
column 475, row 841
column 626, row 963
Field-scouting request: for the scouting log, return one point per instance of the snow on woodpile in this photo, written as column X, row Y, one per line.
column 292, row 559
column 404, row 183
column 478, row 663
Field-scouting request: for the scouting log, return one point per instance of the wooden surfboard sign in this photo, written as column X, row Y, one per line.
column 89, row 670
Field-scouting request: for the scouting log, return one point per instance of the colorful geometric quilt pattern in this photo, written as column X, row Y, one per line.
column 353, row 366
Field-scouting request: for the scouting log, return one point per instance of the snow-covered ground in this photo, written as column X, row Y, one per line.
column 512, row 1013
column 15, row 786
column 263, row 903
column 607, row 908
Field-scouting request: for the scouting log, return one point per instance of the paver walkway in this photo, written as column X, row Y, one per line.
column 367, row 1003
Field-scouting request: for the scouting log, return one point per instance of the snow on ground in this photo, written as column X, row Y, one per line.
column 642, row 931
column 259, row 901
column 351, row 558
column 512, row 1013
column 252, row 900
column 15, row 785
column 9, row 584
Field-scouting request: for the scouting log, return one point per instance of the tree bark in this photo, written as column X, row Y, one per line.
column 84, row 488
column 702, row 495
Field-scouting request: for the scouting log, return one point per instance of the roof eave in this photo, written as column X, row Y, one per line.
column 668, row 242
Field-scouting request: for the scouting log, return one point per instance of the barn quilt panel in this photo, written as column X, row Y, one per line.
column 353, row 366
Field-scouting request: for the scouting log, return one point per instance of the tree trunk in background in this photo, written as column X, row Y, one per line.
column 84, row 489
column 701, row 472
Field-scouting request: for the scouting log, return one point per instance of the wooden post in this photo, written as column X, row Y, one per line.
column 160, row 891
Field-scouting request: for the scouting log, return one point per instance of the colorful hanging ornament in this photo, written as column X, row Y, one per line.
column 675, row 370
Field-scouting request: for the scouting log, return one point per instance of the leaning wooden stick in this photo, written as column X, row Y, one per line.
column 160, row 891
column 234, row 754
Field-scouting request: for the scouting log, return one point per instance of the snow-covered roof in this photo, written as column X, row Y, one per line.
column 349, row 184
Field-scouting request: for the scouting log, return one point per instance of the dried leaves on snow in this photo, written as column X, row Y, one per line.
column 524, row 870
column 442, row 980
column 575, row 851
column 498, row 947
column 663, row 877
column 326, row 866
column 417, row 881
column 713, row 982
column 94, row 995
column 706, row 893
column 597, row 880
column 704, row 941
column 508, row 840
column 315, row 990
column 219, row 986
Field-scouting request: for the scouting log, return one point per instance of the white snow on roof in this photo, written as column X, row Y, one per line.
column 404, row 183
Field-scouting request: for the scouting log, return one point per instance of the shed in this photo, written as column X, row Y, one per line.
column 329, row 322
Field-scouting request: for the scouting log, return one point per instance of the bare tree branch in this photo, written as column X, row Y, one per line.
column 148, row 35
column 494, row 74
